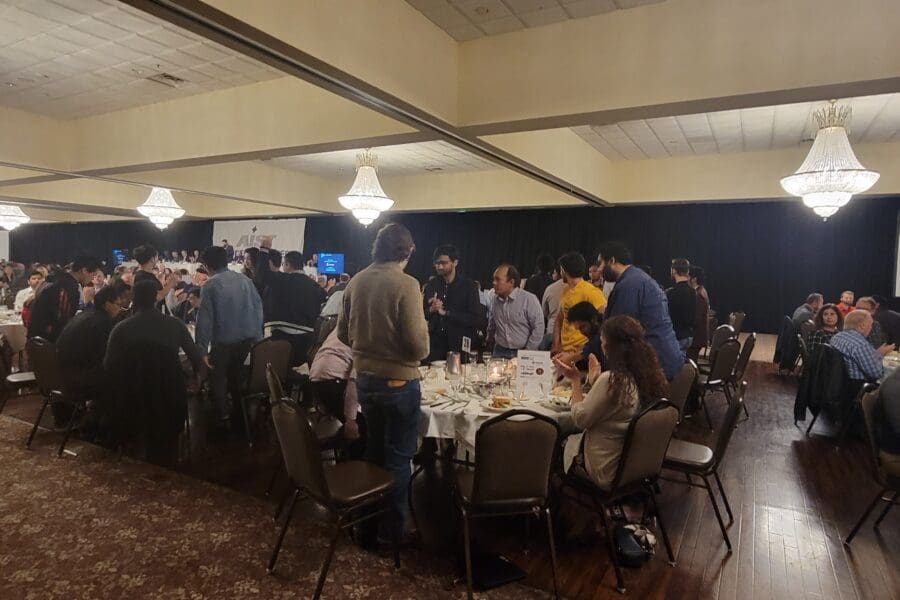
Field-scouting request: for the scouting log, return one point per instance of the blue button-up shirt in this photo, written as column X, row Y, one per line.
column 230, row 310
column 864, row 363
column 517, row 321
column 640, row 297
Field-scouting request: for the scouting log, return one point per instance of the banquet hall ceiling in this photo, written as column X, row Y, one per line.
column 598, row 102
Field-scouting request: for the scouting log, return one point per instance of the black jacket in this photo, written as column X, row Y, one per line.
column 682, row 309
column 824, row 384
column 465, row 314
column 54, row 306
column 81, row 347
column 890, row 325
column 537, row 284
column 291, row 301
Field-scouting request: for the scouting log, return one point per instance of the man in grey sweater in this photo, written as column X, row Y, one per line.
column 382, row 322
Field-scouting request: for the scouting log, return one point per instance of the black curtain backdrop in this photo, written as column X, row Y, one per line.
column 760, row 257
column 61, row 242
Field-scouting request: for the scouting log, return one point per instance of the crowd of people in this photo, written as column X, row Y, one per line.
column 606, row 317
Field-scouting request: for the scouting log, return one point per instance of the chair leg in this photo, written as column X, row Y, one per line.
column 864, row 516
column 552, row 552
column 409, row 495
column 287, row 521
column 5, row 393
column 886, row 510
column 467, row 542
column 724, row 497
column 280, row 506
column 324, row 572
column 610, row 542
column 702, row 400
column 246, row 422
column 37, row 422
column 274, row 478
column 662, row 527
column 62, row 445
column 813, row 422
column 715, row 505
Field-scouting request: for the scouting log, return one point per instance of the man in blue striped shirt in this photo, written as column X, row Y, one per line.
column 864, row 363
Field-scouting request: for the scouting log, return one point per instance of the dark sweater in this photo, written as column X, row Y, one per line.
column 81, row 347
column 54, row 306
column 682, row 309
column 150, row 328
column 464, row 317
column 291, row 301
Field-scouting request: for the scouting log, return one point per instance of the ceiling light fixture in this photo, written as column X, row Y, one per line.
column 831, row 173
column 11, row 216
column 366, row 200
column 161, row 208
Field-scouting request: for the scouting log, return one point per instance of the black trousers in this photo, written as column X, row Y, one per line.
column 300, row 345
column 227, row 370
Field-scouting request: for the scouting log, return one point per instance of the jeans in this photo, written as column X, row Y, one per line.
column 501, row 352
column 227, row 366
column 392, row 422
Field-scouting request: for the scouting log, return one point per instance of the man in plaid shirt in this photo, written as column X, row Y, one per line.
column 864, row 363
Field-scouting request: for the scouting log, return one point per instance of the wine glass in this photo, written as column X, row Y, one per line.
column 453, row 369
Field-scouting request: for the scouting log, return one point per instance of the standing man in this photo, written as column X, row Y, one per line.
column 451, row 303
column 567, row 337
column 58, row 299
column 701, row 318
column 682, row 303
column 229, row 321
column 382, row 322
column 147, row 257
column 550, row 307
column 543, row 276
column 291, row 300
column 639, row 296
column 517, row 321
column 229, row 249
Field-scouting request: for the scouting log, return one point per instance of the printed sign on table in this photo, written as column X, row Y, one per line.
column 534, row 376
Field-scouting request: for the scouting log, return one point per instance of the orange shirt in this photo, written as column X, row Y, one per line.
column 844, row 308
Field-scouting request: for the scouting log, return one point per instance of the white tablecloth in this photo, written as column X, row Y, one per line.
column 188, row 266
column 15, row 333
column 461, row 420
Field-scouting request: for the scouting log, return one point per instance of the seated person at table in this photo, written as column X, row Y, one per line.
column 56, row 301
column 191, row 307
column 887, row 419
column 806, row 311
column 27, row 295
column 566, row 337
column 888, row 319
column 333, row 366
column 864, row 363
column 82, row 345
column 846, row 303
column 586, row 319
column 829, row 321
column 516, row 319
column 633, row 376
column 876, row 336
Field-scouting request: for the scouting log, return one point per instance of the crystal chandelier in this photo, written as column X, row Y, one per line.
column 11, row 216
column 831, row 173
column 161, row 208
column 366, row 200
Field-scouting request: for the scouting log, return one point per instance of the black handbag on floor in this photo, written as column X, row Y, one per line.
column 629, row 550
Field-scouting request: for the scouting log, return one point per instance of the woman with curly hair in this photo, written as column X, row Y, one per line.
column 633, row 379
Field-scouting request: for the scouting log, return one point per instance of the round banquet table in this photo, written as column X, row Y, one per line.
column 461, row 419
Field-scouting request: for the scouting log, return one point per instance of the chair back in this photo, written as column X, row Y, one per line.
column 681, row 385
column 736, row 320
column 646, row 443
column 44, row 363
column 263, row 353
column 806, row 329
column 276, row 391
column 722, row 333
column 729, row 423
column 868, row 403
column 744, row 358
column 515, row 455
column 711, row 323
column 300, row 449
column 804, row 349
column 725, row 360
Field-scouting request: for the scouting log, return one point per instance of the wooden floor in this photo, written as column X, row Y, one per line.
column 794, row 498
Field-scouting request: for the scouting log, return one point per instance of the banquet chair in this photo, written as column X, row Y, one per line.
column 515, row 454
column 807, row 328
column 740, row 368
column 48, row 378
column 692, row 459
column 736, row 321
column 341, row 489
column 264, row 352
column 15, row 382
column 803, row 354
column 643, row 451
column 886, row 482
column 681, row 385
column 720, row 336
column 719, row 373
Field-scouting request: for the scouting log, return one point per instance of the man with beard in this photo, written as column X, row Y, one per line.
column 452, row 307
column 639, row 296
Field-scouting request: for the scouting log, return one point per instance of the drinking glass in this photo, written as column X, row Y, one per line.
column 453, row 369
